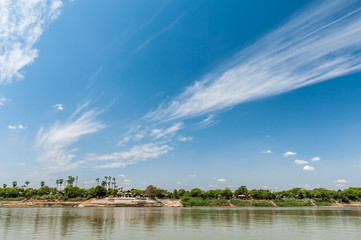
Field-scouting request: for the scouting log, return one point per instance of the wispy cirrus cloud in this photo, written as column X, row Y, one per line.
column 133, row 155
column 55, row 142
column 320, row 43
column 22, row 23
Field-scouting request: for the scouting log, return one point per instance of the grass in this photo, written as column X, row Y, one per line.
column 11, row 199
column 322, row 203
column 241, row 203
column 261, row 204
column 199, row 202
column 290, row 202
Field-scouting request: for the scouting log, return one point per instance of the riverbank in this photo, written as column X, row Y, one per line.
column 192, row 202
column 103, row 202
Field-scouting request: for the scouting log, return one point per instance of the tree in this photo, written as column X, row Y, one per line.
column 97, row 181
column 5, row 185
column 57, row 183
column 100, row 191
column 196, row 192
column 227, row 193
column 104, row 183
column 70, row 180
column 114, row 182
column 76, row 182
column 15, row 183
column 42, row 184
column 175, row 194
column 61, row 181
column 27, row 184
column 150, row 191
column 242, row 190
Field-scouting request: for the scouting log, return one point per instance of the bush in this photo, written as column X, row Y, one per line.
column 290, row 202
column 189, row 201
column 241, row 203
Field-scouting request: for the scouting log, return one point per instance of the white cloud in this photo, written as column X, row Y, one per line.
column 54, row 142
column 307, row 186
column 300, row 162
column 308, row 168
column 179, row 183
column 193, row 175
column 123, row 141
column 162, row 132
column 59, row 106
column 22, row 23
column 321, row 43
column 20, row 126
column 126, row 181
column 154, row 36
column 185, row 139
column 287, row 154
column 266, row 151
column 133, row 155
column 341, row 181
column 212, row 186
column 207, row 122
column 121, row 175
column 221, row 180
column 4, row 100
column 316, row 159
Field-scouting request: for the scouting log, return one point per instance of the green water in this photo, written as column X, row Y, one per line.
column 180, row 223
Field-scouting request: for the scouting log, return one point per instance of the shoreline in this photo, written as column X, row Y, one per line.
column 123, row 202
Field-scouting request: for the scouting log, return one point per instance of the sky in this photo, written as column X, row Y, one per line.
column 181, row 94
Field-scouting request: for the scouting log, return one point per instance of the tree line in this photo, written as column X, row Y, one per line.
column 68, row 190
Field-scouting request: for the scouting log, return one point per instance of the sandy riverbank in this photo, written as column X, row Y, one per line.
column 104, row 202
column 122, row 202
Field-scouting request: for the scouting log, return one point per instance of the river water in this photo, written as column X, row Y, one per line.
column 180, row 223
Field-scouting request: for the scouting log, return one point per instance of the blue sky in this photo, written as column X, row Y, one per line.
column 181, row 94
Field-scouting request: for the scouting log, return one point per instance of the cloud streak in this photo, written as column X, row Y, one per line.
column 318, row 44
column 22, row 23
column 132, row 156
column 55, row 143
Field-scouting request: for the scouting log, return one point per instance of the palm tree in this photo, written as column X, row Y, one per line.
column 70, row 180
column 27, row 184
column 42, row 184
column 15, row 183
column 57, row 183
column 114, row 182
column 104, row 183
column 5, row 185
column 97, row 181
column 76, row 181
column 61, row 181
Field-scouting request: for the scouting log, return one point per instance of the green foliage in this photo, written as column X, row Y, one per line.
column 261, row 204
column 242, row 190
column 290, row 202
column 227, row 193
column 175, row 194
column 200, row 202
column 260, row 194
column 241, row 203
column 196, row 192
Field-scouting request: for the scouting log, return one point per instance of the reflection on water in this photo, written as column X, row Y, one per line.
column 180, row 223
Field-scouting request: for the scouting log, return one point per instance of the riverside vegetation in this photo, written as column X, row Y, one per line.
column 241, row 197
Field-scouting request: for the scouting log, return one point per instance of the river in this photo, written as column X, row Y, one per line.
column 180, row 223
